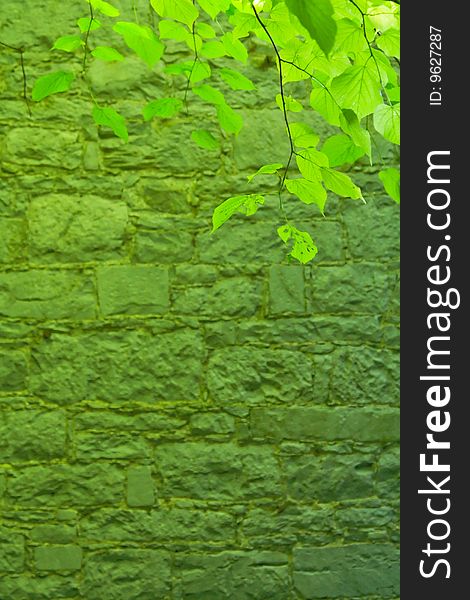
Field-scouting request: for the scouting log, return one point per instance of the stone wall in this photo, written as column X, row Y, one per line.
column 184, row 416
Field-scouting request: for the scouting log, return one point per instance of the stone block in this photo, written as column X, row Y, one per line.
column 76, row 228
column 41, row 294
column 43, row 148
column 12, row 240
column 140, row 486
column 286, row 289
column 13, row 370
column 32, row 435
column 58, row 558
column 132, row 290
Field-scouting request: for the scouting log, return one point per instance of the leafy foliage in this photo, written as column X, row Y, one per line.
column 344, row 52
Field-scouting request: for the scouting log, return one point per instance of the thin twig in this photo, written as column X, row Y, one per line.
column 20, row 51
column 92, row 17
column 193, row 66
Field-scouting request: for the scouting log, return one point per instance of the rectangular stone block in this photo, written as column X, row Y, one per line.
column 32, row 435
column 135, row 421
column 54, row 534
column 286, row 289
column 52, row 148
column 12, row 240
column 326, row 423
column 58, row 558
column 236, row 296
column 357, row 288
column 161, row 524
column 27, row 587
column 118, row 366
column 250, row 375
column 132, row 574
column 110, row 446
column 40, row 294
column 67, row 485
column 140, row 486
column 12, row 557
column 132, row 290
column 76, row 228
column 217, row 471
column 251, row 575
column 350, row 571
column 13, row 370
column 329, row 478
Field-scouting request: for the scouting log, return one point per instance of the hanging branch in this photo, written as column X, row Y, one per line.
column 92, row 18
column 20, row 51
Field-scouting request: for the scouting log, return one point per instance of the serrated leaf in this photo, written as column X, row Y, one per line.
column 107, row 54
column 310, row 192
column 303, row 135
column 142, row 40
column 183, row 11
column 309, row 162
column 169, row 30
column 108, row 117
column 291, row 104
column 165, row 108
column 266, row 170
column 341, row 150
column 84, row 24
column 317, row 17
column 387, row 122
column 350, row 125
column 234, row 48
column 104, row 8
column 358, row 88
column 229, row 120
column 214, row 7
column 391, row 182
column 212, row 50
column 68, row 43
column 389, row 42
column 209, row 94
column 206, row 31
column 248, row 204
column 205, row 139
column 341, row 184
column 323, row 102
column 303, row 249
column 236, row 80
column 53, row 83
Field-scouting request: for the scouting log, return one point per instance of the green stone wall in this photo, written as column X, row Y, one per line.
column 184, row 416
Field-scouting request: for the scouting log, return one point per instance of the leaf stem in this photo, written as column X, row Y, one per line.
column 20, row 51
column 92, row 17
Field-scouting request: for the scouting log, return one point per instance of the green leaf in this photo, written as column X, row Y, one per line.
column 195, row 72
column 54, row 83
column 206, row 31
column 169, row 30
column 323, row 102
column 389, row 42
column 209, row 94
column 165, row 108
column 68, row 43
column 142, row 40
column 341, row 150
column 212, row 50
column 303, row 135
column 183, row 11
column 84, row 24
column 234, row 47
column 350, row 36
column 104, row 8
column 303, row 249
column 247, row 204
column 229, row 120
column 236, row 80
column 317, row 17
column 214, row 7
column 358, row 88
column 266, row 170
column 391, row 182
column 351, row 126
column 107, row 53
column 108, row 117
column 387, row 122
column 310, row 192
column 340, row 184
column 309, row 162
column 291, row 104
column 205, row 139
